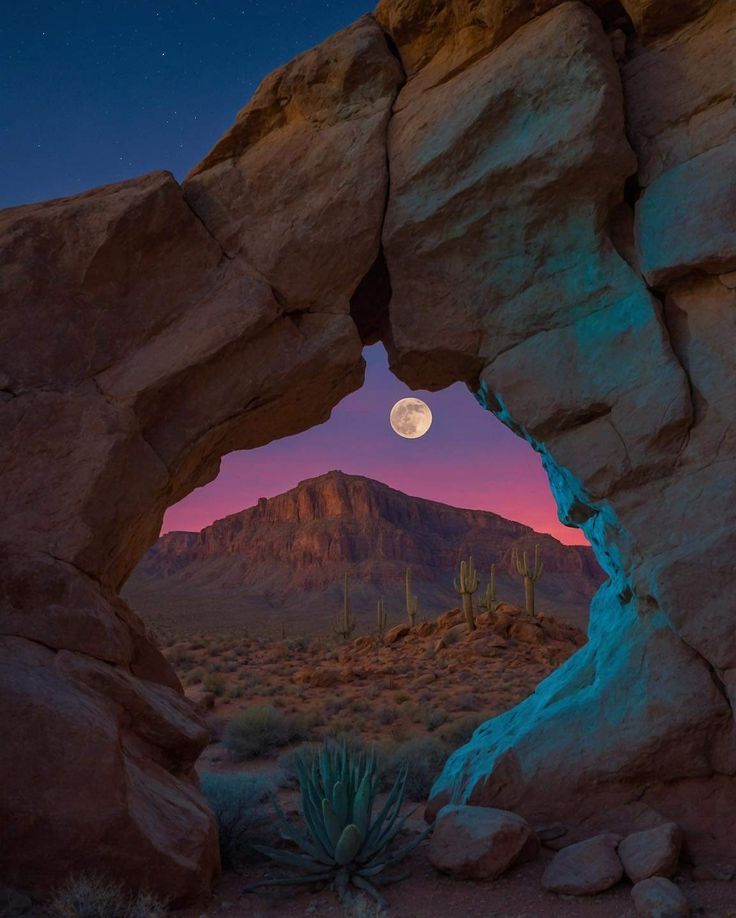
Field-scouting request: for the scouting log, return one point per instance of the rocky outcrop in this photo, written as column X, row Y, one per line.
column 287, row 556
column 143, row 363
column 533, row 200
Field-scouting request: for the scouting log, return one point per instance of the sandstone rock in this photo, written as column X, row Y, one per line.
column 479, row 843
column 658, row 897
column 202, row 700
column 675, row 238
column 585, row 868
column 527, row 633
column 653, row 18
column 397, row 633
column 277, row 165
column 653, row 852
column 678, row 94
column 115, row 722
column 454, row 634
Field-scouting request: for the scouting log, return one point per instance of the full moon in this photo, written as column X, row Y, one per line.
column 410, row 418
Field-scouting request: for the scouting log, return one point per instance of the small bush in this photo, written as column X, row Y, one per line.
column 236, row 802
column 433, row 717
column 458, row 731
column 89, row 896
column 258, row 730
column 423, row 757
column 216, row 683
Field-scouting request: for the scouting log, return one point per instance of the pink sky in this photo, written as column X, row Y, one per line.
column 468, row 459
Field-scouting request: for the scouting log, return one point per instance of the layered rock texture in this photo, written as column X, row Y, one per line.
column 283, row 561
column 536, row 198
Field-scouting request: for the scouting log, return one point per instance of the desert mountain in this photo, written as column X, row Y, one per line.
column 283, row 560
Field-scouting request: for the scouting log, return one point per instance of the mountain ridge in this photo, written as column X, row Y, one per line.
column 287, row 555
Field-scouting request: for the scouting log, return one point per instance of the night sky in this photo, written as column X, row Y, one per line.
column 96, row 92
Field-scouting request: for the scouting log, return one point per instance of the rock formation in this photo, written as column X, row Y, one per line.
column 283, row 560
column 536, row 198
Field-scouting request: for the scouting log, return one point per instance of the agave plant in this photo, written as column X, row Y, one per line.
column 342, row 843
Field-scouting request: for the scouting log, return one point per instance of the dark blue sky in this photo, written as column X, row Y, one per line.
column 99, row 91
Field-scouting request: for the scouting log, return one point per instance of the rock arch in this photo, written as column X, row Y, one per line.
column 531, row 197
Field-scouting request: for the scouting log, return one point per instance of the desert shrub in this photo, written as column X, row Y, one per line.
column 423, row 757
column 193, row 677
column 340, row 728
column 466, row 701
column 386, row 715
column 458, row 731
column 216, row 725
column 259, row 730
column 433, row 717
column 402, row 697
column 236, row 801
column 215, row 683
column 179, row 657
column 89, row 896
column 236, row 691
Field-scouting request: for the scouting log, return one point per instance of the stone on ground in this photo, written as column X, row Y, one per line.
column 653, row 852
column 658, row 897
column 480, row 843
column 586, row 868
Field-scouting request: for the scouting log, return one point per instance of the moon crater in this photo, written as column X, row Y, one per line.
column 410, row 418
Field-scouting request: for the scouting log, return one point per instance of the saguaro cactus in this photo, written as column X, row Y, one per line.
column 490, row 597
column 530, row 576
column 466, row 584
column 412, row 602
column 382, row 618
column 345, row 620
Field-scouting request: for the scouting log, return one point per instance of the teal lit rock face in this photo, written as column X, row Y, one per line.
column 686, row 219
column 505, row 272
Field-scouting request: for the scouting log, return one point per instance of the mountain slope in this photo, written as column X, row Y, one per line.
column 283, row 560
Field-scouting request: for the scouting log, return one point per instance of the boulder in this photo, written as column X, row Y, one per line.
column 479, row 843
column 653, row 852
column 397, row 633
column 527, row 633
column 202, row 700
column 658, row 897
column 586, row 868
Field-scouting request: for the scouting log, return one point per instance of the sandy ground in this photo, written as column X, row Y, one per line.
column 427, row 894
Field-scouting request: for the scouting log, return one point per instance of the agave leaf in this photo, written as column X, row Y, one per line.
column 382, row 843
column 393, row 828
column 398, row 856
column 340, row 802
column 326, row 771
column 361, row 805
column 348, row 845
column 291, row 858
column 394, row 799
column 314, row 819
column 289, row 881
column 332, row 823
column 314, row 848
